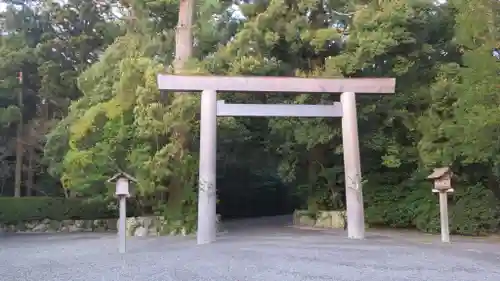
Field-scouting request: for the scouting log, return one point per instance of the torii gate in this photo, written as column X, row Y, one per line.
column 211, row 108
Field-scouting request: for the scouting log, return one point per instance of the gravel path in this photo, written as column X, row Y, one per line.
column 260, row 254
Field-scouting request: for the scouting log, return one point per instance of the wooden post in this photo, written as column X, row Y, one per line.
column 207, row 198
column 352, row 168
column 443, row 212
column 122, row 191
column 122, row 224
column 442, row 185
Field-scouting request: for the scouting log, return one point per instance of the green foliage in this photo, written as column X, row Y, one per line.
column 103, row 129
column 182, row 220
column 475, row 211
column 14, row 210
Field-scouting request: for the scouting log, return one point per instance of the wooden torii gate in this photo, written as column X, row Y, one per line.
column 211, row 108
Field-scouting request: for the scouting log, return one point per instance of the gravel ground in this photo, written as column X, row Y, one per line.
column 258, row 253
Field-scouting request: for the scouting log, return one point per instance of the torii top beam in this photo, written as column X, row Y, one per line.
column 275, row 84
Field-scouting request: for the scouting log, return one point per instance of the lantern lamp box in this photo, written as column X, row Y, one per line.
column 442, row 179
column 123, row 181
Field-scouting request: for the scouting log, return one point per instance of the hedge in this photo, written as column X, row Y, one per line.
column 13, row 210
column 473, row 210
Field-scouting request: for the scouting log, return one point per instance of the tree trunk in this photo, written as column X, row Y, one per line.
column 19, row 144
column 493, row 185
column 183, row 34
column 19, row 165
column 30, row 179
column 183, row 51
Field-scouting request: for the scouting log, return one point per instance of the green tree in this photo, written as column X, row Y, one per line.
column 48, row 44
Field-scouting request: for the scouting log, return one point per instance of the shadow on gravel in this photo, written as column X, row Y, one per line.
column 41, row 237
column 258, row 223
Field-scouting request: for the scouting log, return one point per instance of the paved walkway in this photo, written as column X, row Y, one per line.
column 258, row 252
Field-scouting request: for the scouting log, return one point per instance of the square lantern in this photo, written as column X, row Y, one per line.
column 442, row 179
column 123, row 181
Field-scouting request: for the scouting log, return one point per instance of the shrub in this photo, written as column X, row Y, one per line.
column 13, row 210
column 473, row 210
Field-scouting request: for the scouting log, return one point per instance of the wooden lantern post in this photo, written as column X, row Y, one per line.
column 123, row 191
column 442, row 185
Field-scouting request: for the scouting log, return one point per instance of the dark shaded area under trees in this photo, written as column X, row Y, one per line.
column 88, row 106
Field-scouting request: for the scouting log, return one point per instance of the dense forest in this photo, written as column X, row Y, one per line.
column 79, row 102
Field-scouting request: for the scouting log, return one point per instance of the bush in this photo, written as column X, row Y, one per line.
column 386, row 207
column 473, row 210
column 13, row 210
